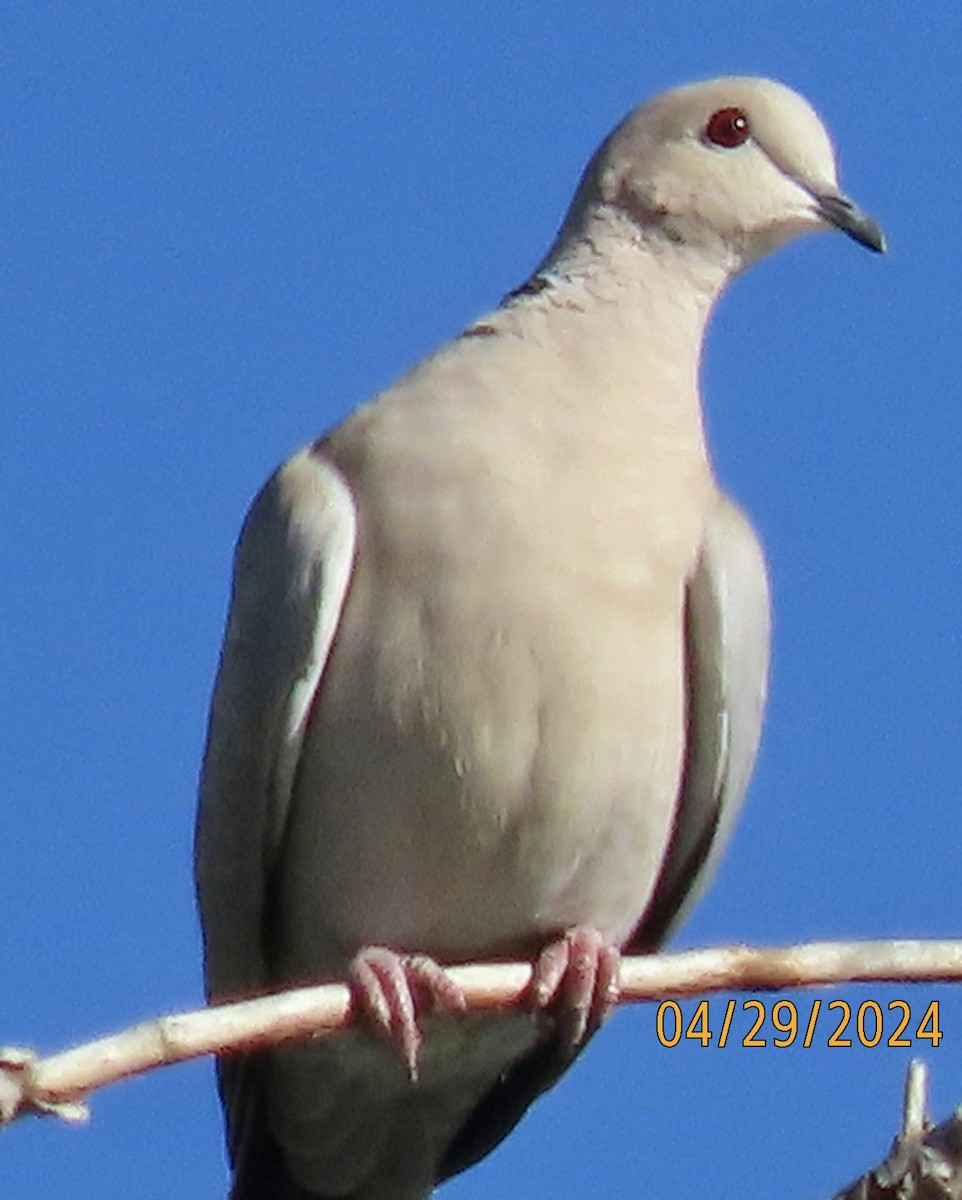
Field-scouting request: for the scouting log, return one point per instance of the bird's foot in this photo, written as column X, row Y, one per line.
column 393, row 991
column 576, row 977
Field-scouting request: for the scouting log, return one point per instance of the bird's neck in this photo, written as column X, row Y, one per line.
column 628, row 310
column 662, row 282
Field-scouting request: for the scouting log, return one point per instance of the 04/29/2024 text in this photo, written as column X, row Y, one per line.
column 781, row 1024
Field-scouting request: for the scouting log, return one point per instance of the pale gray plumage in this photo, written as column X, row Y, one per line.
column 497, row 656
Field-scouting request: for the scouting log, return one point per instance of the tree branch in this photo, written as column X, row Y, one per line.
column 60, row 1083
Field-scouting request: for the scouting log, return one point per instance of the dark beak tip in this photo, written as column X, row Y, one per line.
column 870, row 235
column 873, row 240
column 840, row 212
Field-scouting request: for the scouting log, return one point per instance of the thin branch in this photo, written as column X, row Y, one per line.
column 915, row 1122
column 60, row 1083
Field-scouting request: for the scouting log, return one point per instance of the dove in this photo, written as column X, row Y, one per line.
column 494, row 669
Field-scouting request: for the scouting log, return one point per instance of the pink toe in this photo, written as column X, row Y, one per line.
column 577, row 977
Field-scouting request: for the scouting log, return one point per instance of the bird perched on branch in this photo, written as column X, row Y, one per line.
column 494, row 669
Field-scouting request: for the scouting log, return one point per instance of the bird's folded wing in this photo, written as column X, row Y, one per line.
column 291, row 574
column 727, row 628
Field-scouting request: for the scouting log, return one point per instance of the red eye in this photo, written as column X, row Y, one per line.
column 728, row 127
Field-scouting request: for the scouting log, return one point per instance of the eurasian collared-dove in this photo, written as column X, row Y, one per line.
column 495, row 665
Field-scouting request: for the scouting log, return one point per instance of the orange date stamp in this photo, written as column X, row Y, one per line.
column 834, row 1023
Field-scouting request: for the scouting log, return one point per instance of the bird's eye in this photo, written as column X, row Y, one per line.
column 728, row 128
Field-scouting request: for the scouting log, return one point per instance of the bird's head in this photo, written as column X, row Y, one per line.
column 741, row 161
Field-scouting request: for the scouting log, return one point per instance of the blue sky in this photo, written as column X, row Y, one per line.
column 224, row 225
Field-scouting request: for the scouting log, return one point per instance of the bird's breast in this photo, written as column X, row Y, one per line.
column 495, row 750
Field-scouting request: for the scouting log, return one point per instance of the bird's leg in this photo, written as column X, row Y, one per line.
column 391, row 991
column 576, row 977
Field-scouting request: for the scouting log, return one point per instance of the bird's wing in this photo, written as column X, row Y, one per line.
column 291, row 574
column 727, row 628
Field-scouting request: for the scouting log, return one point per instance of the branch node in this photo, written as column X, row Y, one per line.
column 19, row 1095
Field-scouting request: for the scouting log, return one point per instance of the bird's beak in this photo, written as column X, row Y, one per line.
column 840, row 212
